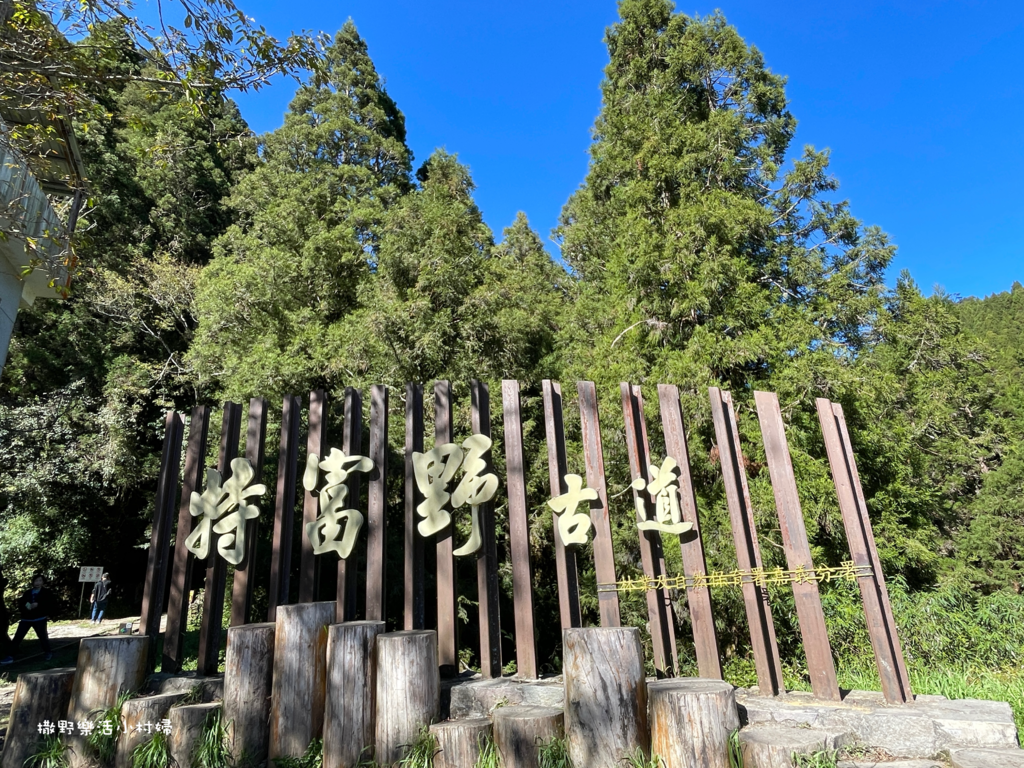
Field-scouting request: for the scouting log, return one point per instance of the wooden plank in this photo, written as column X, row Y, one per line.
column 877, row 612
column 811, row 617
column 414, row 612
column 519, row 531
column 352, row 445
column 316, row 443
column 487, row 562
column 216, row 566
column 604, row 557
column 181, row 573
column 702, row 617
column 376, row 532
column 659, row 610
column 284, row 505
column 447, row 648
column 748, row 553
column 565, row 557
column 242, row 585
column 160, row 539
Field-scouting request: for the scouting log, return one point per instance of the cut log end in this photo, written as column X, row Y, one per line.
column 461, row 742
column 691, row 720
column 521, row 732
column 408, row 690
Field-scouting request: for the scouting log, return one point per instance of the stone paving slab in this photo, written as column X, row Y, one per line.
column 893, row 764
column 987, row 758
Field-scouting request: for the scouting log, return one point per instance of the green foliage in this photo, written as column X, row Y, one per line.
column 488, row 757
column 213, row 748
column 420, row 754
column 554, row 754
column 154, row 753
column 51, row 753
column 313, row 757
column 637, row 759
column 735, row 750
column 104, row 745
column 823, row 759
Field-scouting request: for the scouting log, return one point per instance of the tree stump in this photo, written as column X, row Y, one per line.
column 770, row 745
column 520, row 732
column 39, row 696
column 605, row 694
column 139, row 718
column 460, row 742
column 248, row 686
column 691, row 720
column 349, row 733
column 408, row 690
column 186, row 727
column 300, row 677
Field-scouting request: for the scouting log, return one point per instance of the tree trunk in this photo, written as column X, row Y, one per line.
column 186, row 728
column 408, row 690
column 139, row 718
column 300, row 677
column 605, row 694
column 351, row 692
column 520, row 732
column 691, row 721
column 460, row 742
column 248, row 685
column 39, row 696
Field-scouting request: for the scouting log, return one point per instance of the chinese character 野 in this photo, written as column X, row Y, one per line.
column 436, row 468
column 664, row 489
column 573, row 526
column 224, row 510
column 323, row 533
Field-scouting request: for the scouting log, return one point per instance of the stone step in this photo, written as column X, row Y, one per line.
column 773, row 746
column 987, row 758
column 893, row 764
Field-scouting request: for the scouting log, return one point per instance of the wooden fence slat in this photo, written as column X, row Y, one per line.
column 414, row 612
column 316, row 441
column 565, row 557
column 519, row 531
column 659, row 609
column 376, row 532
column 242, row 585
column 181, row 573
column 748, row 553
column 487, row 561
column 877, row 611
column 604, row 557
column 811, row 617
column 705, row 641
column 447, row 641
column 216, row 566
column 352, row 445
column 284, row 505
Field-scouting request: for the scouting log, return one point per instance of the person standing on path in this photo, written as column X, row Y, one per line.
column 35, row 604
column 99, row 597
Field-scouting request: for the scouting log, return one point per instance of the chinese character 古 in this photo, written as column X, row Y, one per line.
column 664, row 489
column 224, row 509
column 323, row 533
column 573, row 526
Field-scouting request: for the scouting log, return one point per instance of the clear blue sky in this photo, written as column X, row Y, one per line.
column 921, row 103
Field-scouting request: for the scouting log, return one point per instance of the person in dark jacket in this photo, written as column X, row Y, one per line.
column 36, row 605
column 99, row 597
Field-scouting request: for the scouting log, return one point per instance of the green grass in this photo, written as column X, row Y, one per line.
column 52, row 753
column 212, row 749
column 826, row 758
column 637, row 759
column 420, row 753
column 555, row 754
column 154, row 753
column 102, row 745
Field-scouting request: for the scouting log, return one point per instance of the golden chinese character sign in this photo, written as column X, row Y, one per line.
column 327, row 533
column 573, row 526
column 224, row 509
column 664, row 490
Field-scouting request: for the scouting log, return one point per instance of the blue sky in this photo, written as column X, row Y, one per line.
column 922, row 105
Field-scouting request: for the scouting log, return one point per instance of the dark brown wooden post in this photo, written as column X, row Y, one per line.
column 414, row 612
column 352, row 445
column 565, row 557
column 316, row 441
column 487, row 561
column 216, row 566
column 181, row 573
column 705, row 641
column 748, row 553
column 659, row 605
column 519, row 531
column 604, row 557
column 242, row 585
column 892, row 669
column 820, row 666
column 284, row 505
column 447, row 649
column 376, row 534
column 160, row 540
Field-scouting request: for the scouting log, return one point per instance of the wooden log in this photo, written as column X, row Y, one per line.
column 376, row 532
column 460, row 742
column 520, row 732
column 139, row 719
column 241, row 584
column 349, row 732
column 352, row 445
column 106, row 667
column 408, row 690
column 186, row 727
column 605, row 694
column 691, row 720
column 248, row 686
column 487, row 588
column 316, row 441
column 771, row 745
column 447, row 622
column 300, row 677
column 284, row 505
column 39, row 696
column 414, row 604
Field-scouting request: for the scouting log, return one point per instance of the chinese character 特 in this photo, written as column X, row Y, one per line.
column 224, row 510
column 573, row 526
column 664, row 489
column 323, row 533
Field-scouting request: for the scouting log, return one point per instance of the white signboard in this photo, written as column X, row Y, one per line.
column 90, row 573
